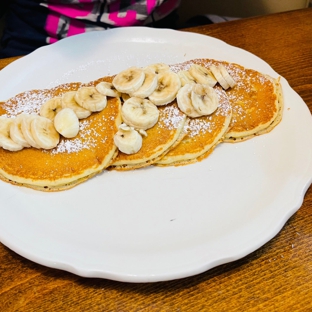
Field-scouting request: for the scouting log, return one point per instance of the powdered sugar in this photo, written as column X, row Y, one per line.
column 172, row 117
column 196, row 126
column 28, row 102
column 85, row 140
column 70, row 146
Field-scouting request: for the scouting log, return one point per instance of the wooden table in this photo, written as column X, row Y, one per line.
column 277, row 277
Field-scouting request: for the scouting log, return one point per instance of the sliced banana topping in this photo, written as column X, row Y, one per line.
column 202, row 75
column 5, row 140
column 107, row 88
column 168, row 86
column 16, row 132
column 226, row 75
column 129, row 80
column 204, row 99
column 89, row 98
column 157, row 68
column 51, row 107
column 68, row 100
column 185, row 102
column 66, row 123
column 26, row 129
column 149, row 85
column 128, row 140
column 44, row 133
column 141, row 89
column 139, row 113
column 186, row 77
column 218, row 74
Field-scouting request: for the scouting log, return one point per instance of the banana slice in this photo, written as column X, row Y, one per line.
column 89, row 98
column 202, row 75
column 157, row 68
column 5, row 140
column 186, row 77
column 149, row 85
column 51, row 107
column 128, row 140
column 16, row 132
column 168, row 86
column 129, row 80
column 218, row 75
column 185, row 102
column 204, row 99
column 139, row 113
column 66, row 123
column 68, row 100
column 226, row 75
column 107, row 88
column 44, row 133
column 125, row 97
column 26, row 129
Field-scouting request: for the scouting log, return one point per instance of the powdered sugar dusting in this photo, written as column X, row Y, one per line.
column 70, row 146
column 28, row 102
column 86, row 140
column 195, row 126
column 181, row 66
column 173, row 117
column 224, row 108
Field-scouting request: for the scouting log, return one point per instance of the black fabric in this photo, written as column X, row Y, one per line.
column 24, row 28
column 3, row 7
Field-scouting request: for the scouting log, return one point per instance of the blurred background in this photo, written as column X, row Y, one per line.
column 212, row 11
column 232, row 9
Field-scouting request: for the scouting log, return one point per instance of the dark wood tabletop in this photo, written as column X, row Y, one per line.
column 276, row 277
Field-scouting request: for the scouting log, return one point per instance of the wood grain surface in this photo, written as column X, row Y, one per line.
column 276, row 277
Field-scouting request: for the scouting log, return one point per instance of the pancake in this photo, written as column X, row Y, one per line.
column 202, row 135
column 72, row 161
column 164, row 135
column 256, row 100
column 238, row 133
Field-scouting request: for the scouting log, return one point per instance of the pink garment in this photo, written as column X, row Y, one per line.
column 72, row 17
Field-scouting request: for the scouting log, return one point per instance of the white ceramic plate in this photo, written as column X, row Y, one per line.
column 156, row 224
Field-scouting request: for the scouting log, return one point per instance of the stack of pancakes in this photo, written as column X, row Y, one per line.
column 252, row 107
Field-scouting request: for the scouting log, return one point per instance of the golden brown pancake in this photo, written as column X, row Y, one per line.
column 256, row 100
column 164, row 135
column 202, row 135
column 73, row 160
column 274, row 117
